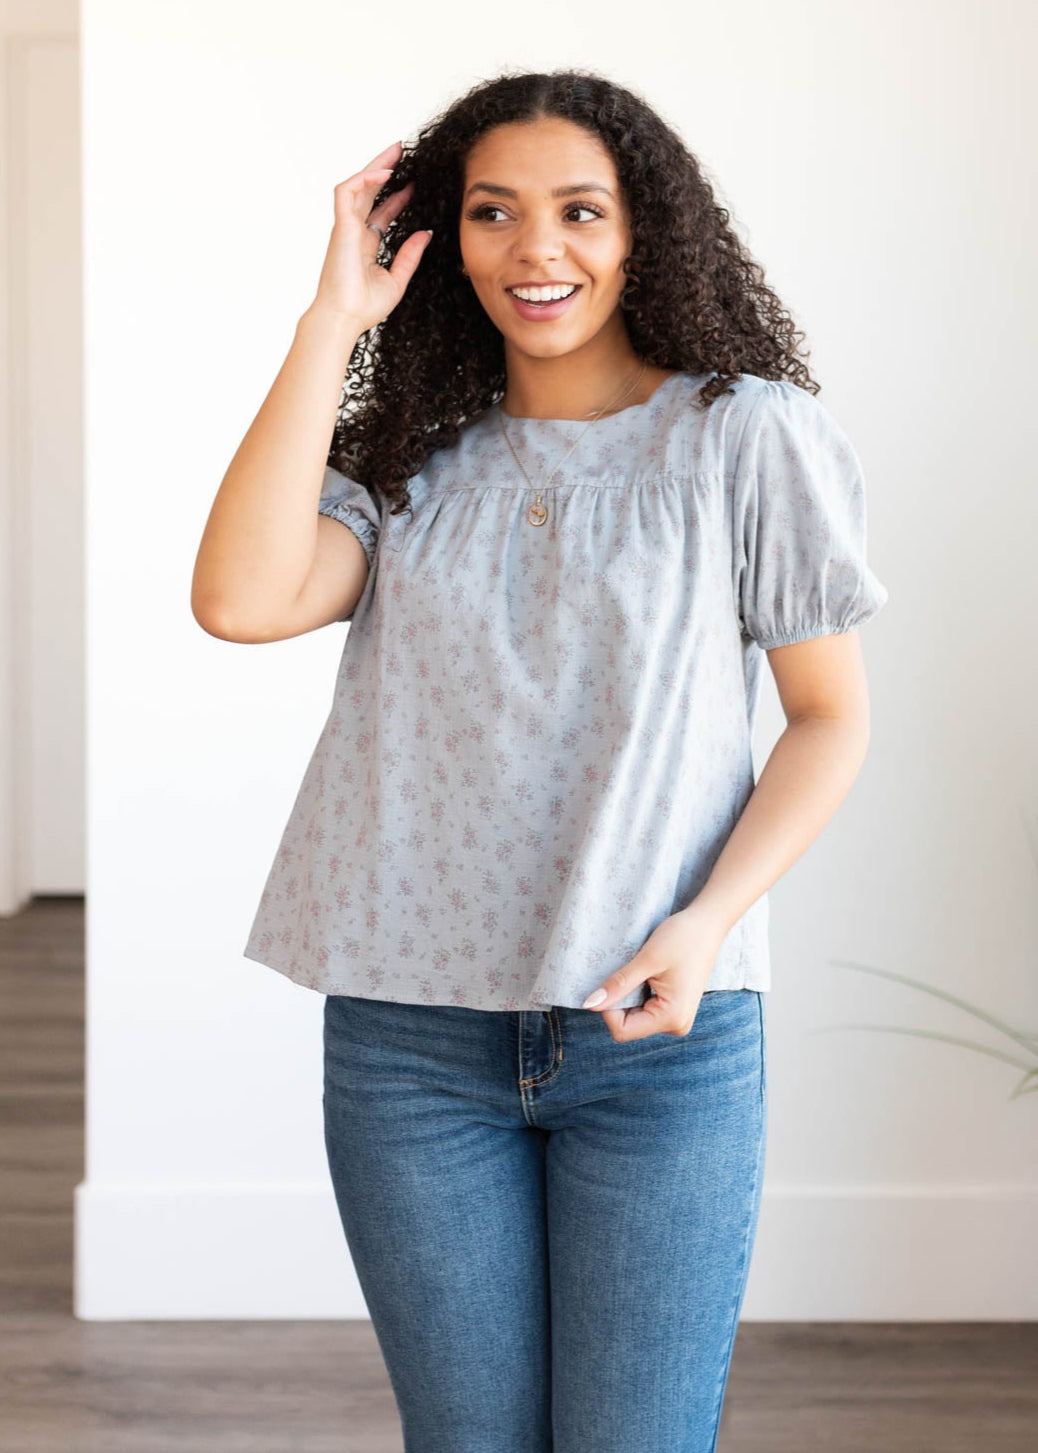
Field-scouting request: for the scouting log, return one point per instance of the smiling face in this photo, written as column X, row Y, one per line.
column 542, row 205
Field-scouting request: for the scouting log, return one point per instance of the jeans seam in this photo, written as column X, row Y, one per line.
column 555, row 1029
column 745, row 1255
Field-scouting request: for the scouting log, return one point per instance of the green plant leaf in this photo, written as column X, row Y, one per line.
column 1008, row 1059
column 1023, row 1088
column 1029, row 1042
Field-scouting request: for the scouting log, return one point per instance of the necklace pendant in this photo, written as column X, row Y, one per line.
column 537, row 513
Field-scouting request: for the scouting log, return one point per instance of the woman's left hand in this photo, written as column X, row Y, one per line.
column 676, row 960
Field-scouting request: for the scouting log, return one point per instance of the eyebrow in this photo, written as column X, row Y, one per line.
column 570, row 191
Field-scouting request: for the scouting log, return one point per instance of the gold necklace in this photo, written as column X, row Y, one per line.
column 537, row 513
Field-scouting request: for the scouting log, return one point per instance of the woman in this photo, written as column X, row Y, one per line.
column 586, row 485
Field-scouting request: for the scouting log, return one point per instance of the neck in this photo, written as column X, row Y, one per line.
column 575, row 385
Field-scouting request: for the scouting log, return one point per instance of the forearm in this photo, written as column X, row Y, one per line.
column 808, row 774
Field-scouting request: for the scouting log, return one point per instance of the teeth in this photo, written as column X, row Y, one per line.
column 544, row 295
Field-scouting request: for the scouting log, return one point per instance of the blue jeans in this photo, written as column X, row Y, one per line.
column 552, row 1230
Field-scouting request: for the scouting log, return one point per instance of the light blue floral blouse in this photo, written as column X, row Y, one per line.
column 540, row 736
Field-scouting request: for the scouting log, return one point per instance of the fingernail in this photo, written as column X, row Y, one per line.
column 595, row 998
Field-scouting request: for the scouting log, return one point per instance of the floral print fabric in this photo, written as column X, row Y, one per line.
column 540, row 736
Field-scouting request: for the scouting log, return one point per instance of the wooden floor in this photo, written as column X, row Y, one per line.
column 314, row 1387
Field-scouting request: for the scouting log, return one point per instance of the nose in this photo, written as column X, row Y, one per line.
column 538, row 241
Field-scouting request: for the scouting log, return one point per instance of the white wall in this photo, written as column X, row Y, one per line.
column 877, row 160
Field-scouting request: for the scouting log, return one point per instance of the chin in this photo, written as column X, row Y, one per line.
column 549, row 348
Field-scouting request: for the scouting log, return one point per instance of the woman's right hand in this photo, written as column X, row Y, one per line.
column 353, row 286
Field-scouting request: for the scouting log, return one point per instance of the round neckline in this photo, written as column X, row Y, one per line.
column 590, row 423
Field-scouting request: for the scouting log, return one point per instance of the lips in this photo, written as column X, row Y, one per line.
column 537, row 312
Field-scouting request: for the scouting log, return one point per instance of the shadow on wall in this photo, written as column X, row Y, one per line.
column 1026, row 1040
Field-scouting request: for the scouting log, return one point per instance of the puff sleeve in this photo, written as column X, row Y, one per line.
column 346, row 500
column 799, row 523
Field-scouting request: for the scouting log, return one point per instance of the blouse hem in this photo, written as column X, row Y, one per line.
column 329, row 985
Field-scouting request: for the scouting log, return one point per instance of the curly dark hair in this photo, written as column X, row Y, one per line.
column 694, row 299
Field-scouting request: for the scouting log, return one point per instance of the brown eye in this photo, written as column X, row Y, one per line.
column 478, row 213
